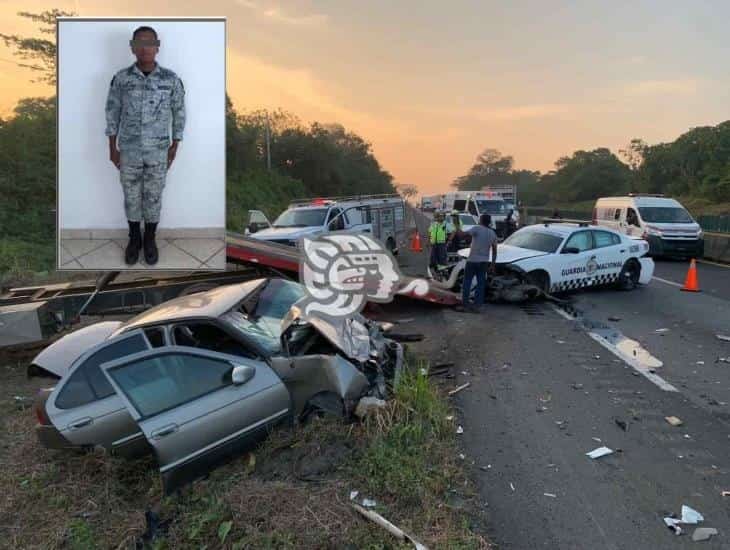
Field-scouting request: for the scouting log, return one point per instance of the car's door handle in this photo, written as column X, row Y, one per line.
column 81, row 422
column 623, row 250
column 165, row 430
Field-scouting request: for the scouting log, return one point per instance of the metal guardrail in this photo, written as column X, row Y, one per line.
column 715, row 224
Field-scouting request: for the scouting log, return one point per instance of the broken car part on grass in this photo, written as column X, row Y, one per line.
column 204, row 376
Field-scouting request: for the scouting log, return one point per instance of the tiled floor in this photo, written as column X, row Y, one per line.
column 108, row 254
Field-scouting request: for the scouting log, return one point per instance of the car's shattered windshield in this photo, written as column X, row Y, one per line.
column 535, row 240
column 260, row 315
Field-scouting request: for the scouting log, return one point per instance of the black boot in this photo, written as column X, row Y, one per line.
column 131, row 254
column 150, row 247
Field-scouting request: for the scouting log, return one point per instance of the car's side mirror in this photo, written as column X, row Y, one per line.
column 242, row 374
column 253, row 227
column 570, row 250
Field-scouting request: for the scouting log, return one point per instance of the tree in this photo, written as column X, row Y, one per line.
column 587, row 175
column 40, row 50
column 491, row 168
column 407, row 190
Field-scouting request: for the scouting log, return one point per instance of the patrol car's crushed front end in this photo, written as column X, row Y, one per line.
column 507, row 284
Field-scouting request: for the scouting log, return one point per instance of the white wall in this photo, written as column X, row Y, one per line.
column 89, row 53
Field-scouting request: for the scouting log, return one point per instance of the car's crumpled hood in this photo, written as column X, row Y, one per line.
column 507, row 254
column 351, row 335
column 58, row 357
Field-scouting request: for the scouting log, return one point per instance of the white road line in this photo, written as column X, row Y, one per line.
column 638, row 367
column 666, row 282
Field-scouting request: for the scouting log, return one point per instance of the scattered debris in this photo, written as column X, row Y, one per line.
column 353, row 494
column 450, row 417
column 722, row 360
column 723, row 337
column 369, row 503
column 596, row 357
column 703, row 533
column 541, row 409
column 462, row 456
column 511, row 486
column 661, row 330
column 673, row 524
column 368, row 405
column 596, row 439
column 385, row 524
column 485, row 468
column 577, row 386
column 621, row 424
column 459, row 388
column 599, row 452
column 673, row 420
column 690, row 515
column 406, row 320
column 725, row 493
column 700, row 362
column 459, row 430
column 560, row 341
column 550, row 495
column 614, row 319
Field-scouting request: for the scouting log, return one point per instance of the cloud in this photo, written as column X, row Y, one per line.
column 681, row 86
column 278, row 15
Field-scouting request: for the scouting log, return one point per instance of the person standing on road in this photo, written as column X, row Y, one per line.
column 144, row 103
column 437, row 239
column 483, row 241
column 454, row 232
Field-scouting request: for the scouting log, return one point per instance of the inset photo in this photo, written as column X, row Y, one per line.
column 141, row 144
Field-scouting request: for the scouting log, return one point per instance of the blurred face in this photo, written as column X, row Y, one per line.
column 144, row 48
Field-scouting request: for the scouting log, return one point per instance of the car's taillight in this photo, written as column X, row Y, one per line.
column 39, row 407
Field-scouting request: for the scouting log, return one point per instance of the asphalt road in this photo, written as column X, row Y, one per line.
column 544, row 392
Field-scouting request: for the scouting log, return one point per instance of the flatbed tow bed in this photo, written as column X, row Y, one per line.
column 55, row 307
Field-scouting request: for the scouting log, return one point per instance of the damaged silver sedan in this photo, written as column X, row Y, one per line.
column 203, row 376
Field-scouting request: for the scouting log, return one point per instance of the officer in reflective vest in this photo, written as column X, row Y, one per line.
column 437, row 239
column 453, row 232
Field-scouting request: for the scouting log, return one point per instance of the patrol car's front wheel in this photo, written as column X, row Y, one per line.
column 628, row 279
column 540, row 279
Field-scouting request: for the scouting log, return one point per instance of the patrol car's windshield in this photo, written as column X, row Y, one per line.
column 534, row 240
column 492, row 207
column 664, row 214
column 310, row 217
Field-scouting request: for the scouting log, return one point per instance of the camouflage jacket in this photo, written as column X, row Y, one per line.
column 140, row 110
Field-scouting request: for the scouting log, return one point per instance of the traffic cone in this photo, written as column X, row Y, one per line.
column 416, row 242
column 690, row 283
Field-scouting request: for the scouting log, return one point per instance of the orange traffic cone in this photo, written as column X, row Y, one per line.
column 690, row 283
column 416, row 242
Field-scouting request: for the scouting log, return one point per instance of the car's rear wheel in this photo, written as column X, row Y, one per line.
column 540, row 279
column 628, row 279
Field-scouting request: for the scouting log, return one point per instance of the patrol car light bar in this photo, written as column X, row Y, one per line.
column 580, row 223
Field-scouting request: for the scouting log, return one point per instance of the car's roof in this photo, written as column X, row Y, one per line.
column 641, row 201
column 210, row 304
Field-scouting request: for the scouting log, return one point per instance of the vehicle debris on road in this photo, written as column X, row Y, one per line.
column 459, row 430
column 723, row 337
column 599, row 452
column 460, row 388
column 690, row 515
column 368, row 405
column 673, row 420
column 703, row 533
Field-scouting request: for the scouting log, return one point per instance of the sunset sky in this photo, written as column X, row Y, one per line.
column 430, row 84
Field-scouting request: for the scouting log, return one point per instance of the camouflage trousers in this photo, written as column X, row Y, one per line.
column 142, row 173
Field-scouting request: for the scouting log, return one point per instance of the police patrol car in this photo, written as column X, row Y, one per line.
column 558, row 257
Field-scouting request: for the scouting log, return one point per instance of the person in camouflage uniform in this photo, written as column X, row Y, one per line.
column 145, row 102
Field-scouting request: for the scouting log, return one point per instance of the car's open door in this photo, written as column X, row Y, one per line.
column 197, row 407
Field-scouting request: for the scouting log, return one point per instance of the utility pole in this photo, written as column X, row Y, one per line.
column 268, row 143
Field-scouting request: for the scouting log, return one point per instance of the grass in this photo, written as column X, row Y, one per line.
column 290, row 492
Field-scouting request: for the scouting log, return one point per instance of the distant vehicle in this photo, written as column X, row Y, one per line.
column 427, row 204
column 558, row 257
column 203, row 376
column 663, row 222
column 382, row 216
column 478, row 203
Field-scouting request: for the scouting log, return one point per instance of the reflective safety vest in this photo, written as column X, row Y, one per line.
column 437, row 233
